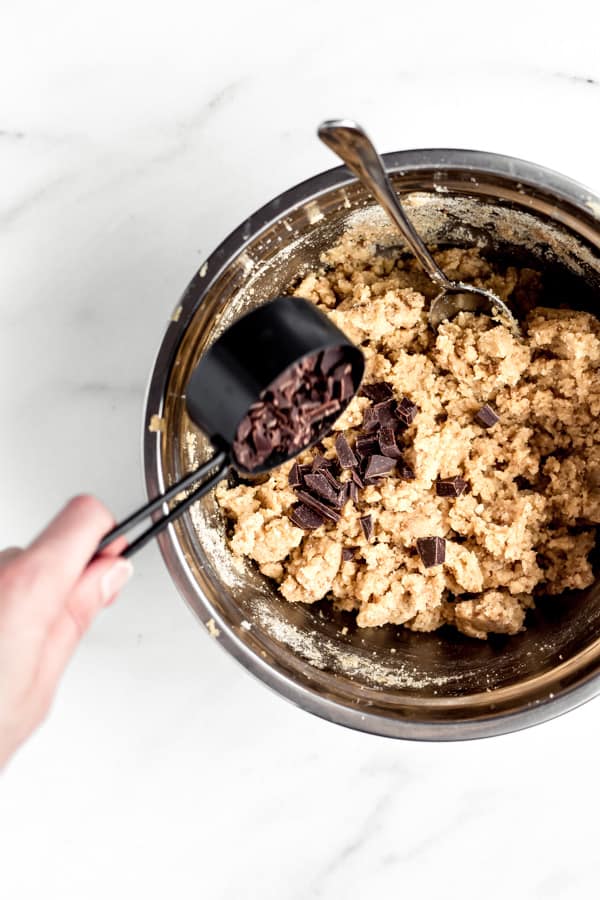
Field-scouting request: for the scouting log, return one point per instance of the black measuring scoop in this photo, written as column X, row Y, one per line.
column 269, row 387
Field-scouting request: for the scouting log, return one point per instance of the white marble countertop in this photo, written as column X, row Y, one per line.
column 133, row 137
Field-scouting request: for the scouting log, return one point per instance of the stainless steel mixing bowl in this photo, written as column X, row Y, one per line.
column 387, row 681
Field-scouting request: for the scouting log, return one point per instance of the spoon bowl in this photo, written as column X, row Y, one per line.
column 351, row 143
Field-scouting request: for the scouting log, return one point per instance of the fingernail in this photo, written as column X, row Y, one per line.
column 116, row 578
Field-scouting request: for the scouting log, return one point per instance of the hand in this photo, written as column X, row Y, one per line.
column 49, row 594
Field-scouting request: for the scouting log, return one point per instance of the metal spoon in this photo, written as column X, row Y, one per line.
column 348, row 140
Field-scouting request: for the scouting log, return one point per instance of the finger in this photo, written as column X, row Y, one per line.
column 56, row 559
column 9, row 553
column 115, row 548
column 97, row 588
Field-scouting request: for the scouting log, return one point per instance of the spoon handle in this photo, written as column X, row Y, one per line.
column 348, row 140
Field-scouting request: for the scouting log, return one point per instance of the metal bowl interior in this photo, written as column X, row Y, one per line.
column 388, row 681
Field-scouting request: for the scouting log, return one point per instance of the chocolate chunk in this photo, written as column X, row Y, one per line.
column 316, row 504
column 388, row 444
column 404, row 472
column 366, row 446
column 345, row 454
column 352, row 491
column 328, row 474
column 366, row 523
column 450, row 487
column 377, row 392
column 306, row 518
column 432, row 551
column 406, row 411
column 357, row 478
column 330, row 358
column 377, row 466
column 370, row 420
column 486, row 416
column 320, row 462
column 295, row 476
column 318, row 484
column 348, row 553
column 386, row 412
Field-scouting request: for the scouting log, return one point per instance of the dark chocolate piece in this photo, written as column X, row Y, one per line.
column 377, row 466
column 305, row 517
column 366, row 446
column 328, row 474
column 317, row 505
column 432, row 551
column 388, row 444
column 330, row 358
column 320, row 462
column 295, row 476
column 370, row 420
column 377, row 392
column 404, row 472
column 366, row 523
column 352, row 491
column 318, row 484
column 348, row 553
column 386, row 412
column 406, row 411
column 486, row 416
column 357, row 478
column 345, row 453
column 450, row 487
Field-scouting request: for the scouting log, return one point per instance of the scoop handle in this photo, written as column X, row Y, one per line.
column 351, row 143
column 220, row 463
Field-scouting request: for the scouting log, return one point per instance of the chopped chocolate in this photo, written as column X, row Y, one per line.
column 432, row 551
column 357, row 478
column 450, row 487
column 377, row 392
column 305, row 517
column 295, row 408
column 320, row 462
column 377, row 466
column 295, row 476
column 348, row 553
column 328, row 474
column 370, row 420
column 486, row 416
column 330, row 358
column 386, row 412
column 388, row 444
column 366, row 523
column 406, row 411
column 344, row 451
column 404, row 472
column 352, row 491
column 317, row 505
column 318, row 484
column 366, row 446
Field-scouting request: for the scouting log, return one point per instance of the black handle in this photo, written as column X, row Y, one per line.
column 220, row 462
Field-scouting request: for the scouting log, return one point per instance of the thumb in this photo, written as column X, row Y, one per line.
column 97, row 587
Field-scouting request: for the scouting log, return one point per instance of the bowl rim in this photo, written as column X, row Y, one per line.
column 528, row 174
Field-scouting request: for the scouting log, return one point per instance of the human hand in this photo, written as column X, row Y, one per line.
column 49, row 594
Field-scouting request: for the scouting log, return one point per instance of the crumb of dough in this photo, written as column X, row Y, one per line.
column 525, row 524
column 212, row 629
column 157, row 423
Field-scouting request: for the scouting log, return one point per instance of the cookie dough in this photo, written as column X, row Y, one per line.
column 524, row 524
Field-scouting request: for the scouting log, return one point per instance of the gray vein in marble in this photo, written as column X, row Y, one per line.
column 368, row 829
column 576, row 79
column 9, row 134
column 10, row 214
